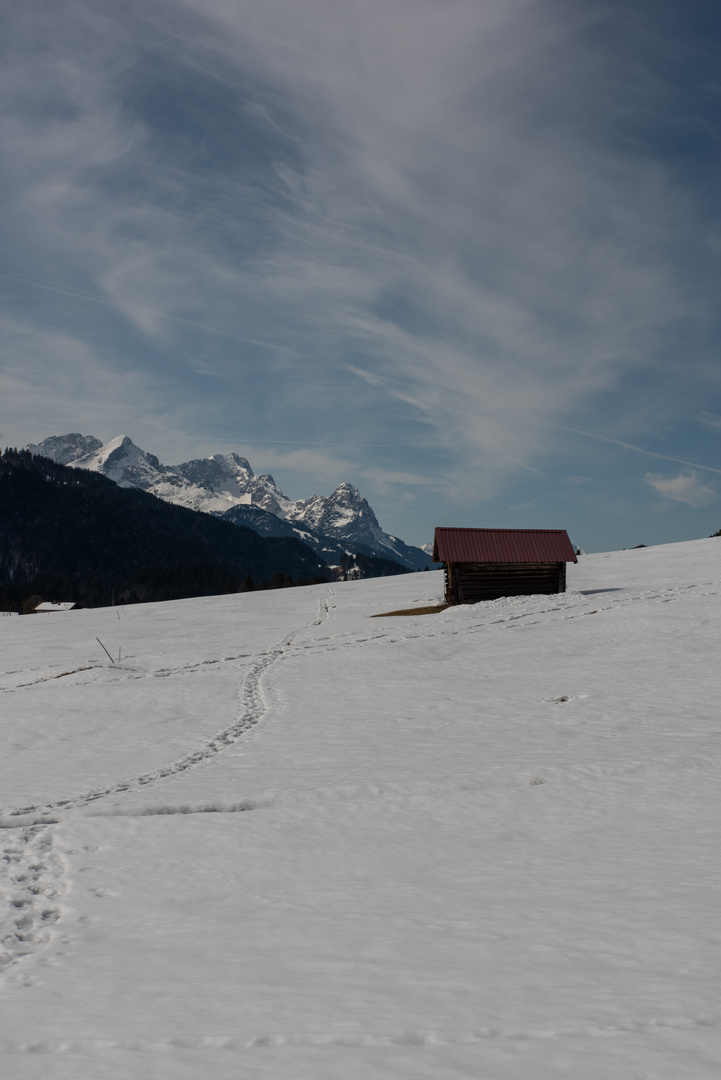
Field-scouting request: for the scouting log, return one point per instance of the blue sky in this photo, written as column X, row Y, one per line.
column 462, row 253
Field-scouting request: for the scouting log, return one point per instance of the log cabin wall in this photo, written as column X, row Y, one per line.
column 467, row 583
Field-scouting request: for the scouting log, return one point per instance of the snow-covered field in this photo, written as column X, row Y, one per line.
column 280, row 840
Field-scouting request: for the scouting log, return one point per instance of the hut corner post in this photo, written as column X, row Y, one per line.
column 450, row 596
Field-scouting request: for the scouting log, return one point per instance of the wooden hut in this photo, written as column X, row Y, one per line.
column 483, row 564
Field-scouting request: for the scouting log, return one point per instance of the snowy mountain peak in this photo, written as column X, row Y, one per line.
column 345, row 515
column 66, row 448
column 232, row 460
column 123, row 462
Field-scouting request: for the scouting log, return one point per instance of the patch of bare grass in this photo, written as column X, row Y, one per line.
column 432, row 610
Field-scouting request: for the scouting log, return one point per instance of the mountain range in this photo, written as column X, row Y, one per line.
column 226, row 486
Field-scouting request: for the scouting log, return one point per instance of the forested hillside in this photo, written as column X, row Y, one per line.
column 67, row 534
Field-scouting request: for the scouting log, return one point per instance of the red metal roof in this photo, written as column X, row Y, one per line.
column 502, row 546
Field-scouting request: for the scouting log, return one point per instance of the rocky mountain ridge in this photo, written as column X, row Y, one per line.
column 224, row 483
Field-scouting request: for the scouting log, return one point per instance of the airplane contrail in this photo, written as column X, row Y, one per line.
column 79, row 294
column 638, row 449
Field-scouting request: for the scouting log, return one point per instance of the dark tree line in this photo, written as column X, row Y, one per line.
column 371, row 566
column 69, row 534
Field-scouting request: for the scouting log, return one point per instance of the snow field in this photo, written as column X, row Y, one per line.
column 482, row 843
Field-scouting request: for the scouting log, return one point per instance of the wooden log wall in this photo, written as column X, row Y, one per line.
column 467, row 583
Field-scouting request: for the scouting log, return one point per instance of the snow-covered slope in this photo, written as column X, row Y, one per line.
column 283, row 840
column 218, row 483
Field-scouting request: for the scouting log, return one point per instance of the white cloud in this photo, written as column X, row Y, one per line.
column 437, row 197
column 683, row 488
column 527, row 248
column 64, row 385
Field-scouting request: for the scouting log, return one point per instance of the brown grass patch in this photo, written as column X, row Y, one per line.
column 412, row 611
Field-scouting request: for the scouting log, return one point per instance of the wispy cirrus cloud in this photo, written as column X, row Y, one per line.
column 684, row 488
column 710, row 420
column 452, row 228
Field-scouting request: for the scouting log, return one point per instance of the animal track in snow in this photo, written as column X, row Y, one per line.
column 566, row 608
column 252, row 708
column 33, row 878
column 416, row 1038
column 44, row 678
column 122, row 673
column 29, row 892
